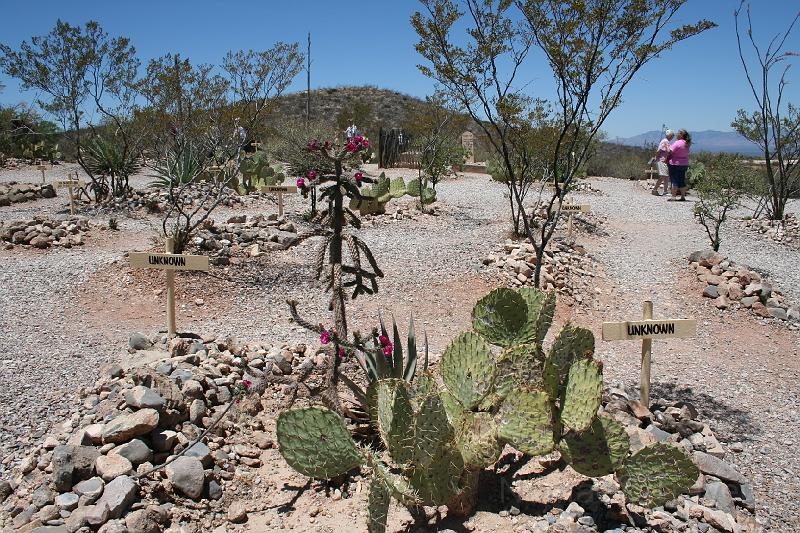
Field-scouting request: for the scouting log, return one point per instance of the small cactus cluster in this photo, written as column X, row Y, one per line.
column 257, row 171
column 375, row 198
column 500, row 387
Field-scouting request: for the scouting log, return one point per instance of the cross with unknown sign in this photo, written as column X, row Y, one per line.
column 169, row 262
column 69, row 184
column 648, row 329
column 40, row 166
column 571, row 208
column 280, row 190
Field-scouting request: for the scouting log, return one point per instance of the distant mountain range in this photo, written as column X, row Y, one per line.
column 708, row 140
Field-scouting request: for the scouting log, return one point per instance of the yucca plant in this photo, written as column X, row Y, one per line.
column 113, row 162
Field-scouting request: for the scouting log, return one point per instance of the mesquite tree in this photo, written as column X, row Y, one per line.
column 594, row 48
column 775, row 125
column 87, row 81
column 201, row 116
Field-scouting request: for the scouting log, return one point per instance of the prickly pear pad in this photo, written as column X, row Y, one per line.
column 657, row 474
column 522, row 364
column 582, row 395
column 315, row 442
column 432, row 430
column 395, row 417
column 477, row 439
column 526, row 422
column 377, row 507
column 468, row 368
column 501, row 317
column 541, row 308
column 598, row 451
column 438, row 481
column 570, row 345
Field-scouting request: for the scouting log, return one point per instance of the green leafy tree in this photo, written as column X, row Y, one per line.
column 86, row 80
column 594, row 49
column 775, row 124
column 726, row 178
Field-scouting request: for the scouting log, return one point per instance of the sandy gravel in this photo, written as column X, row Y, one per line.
column 66, row 313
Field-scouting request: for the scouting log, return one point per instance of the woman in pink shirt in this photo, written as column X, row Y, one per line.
column 678, row 165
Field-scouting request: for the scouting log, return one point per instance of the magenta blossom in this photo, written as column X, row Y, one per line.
column 325, row 337
column 351, row 147
column 341, row 353
column 365, row 144
column 384, row 340
column 311, row 174
column 359, row 176
column 246, row 383
column 387, row 350
column 301, row 183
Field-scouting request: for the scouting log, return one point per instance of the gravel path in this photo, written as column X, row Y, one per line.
column 742, row 375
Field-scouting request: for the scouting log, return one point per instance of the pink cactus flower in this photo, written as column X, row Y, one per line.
column 351, row 147
column 358, row 176
column 301, row 183
column 388, row 349
column 384, row 340
column 247, row 383
column 341, row 352
column 311, row 174
column 325, row 337
column 365, row 144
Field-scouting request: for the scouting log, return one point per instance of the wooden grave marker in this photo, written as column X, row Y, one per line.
column 69, row 184
column 169, row 262
column 572, row 208
column 41, row 167
column 280, row 190
column 650, row 172
column 648, row 329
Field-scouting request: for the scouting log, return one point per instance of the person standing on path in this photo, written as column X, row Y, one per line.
column 661, row 162
column 678, row 165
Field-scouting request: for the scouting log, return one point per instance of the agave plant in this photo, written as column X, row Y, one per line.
column 178, row 167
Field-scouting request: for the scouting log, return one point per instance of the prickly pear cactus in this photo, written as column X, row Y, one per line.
column 657, row 474
column 478, row 440
column 315, row 442
column 541, row 309
column 501, row 318
column 526, row 422
column 598, row 451
column 518, row 365
column 397, row 187
column 468, row 369
column 582, row 395
column 437, row 481
column 427, row 196
column 570, row 345
column 377, row 507
column 395, row 417
column 413, row 188
column 432, row 430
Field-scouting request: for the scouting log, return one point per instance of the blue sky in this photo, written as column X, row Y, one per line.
column 699, row 85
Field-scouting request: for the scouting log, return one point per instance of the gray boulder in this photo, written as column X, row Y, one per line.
column 141, row 397
column 72, row 464
column 138, row 341
column 135, row 451
column 118, row 496
column 187, row 475
column 125, row 427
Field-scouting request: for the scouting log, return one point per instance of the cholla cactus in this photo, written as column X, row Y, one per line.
column 440, row 440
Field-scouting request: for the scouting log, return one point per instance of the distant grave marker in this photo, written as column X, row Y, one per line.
column 468, row 142
column 69, row 184
column 280, row 190
column 571, row 208
column 648, row 329
column 41, row 167
column 169, row 262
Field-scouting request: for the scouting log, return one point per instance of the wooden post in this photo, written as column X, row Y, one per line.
column 42, row 168
column 280, row 204
column 280, row 190
column 647, row 329
column 71, row 195
column 647, row 349
column 170, row 291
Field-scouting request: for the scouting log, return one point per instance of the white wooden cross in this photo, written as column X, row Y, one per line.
column 169, row 262
column 648, row 329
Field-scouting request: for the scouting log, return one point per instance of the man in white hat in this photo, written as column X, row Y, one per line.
column 661, row 161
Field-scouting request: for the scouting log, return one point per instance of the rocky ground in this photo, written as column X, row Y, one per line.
column 68, row 313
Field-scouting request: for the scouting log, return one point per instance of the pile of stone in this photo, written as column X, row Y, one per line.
column 157, row 200
column 721, row 498
column 786, row 231
column 566, row 268
column 731, row 285
column 43, row 232
column 245, row 236
column 90, row 471
column 14, row 192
